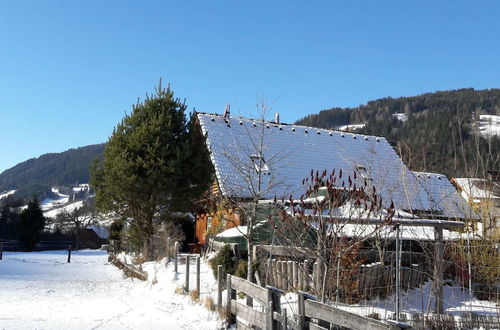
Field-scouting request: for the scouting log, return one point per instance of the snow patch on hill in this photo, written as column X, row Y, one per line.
column 350, row 128
column 7, row 193
column 59, row 200
column 401, row 116
column 489, row 125
column 68, row 208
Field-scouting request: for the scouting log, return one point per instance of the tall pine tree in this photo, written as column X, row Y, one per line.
column 31, row 223
column 150, row 167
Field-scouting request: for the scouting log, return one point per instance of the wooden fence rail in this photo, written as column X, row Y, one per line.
column 314, row 315
column 268, row 315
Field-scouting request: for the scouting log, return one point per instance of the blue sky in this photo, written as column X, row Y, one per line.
column 69, row 70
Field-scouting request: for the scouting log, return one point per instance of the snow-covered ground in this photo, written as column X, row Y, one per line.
column 350, row 128
column 50, row 203
column 401, row 116
column 68, row 207
column 489, row 125
column 7, row 193
column 39, row 290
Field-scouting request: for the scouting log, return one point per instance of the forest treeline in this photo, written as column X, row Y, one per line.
column 36, row 176
column 439, row 135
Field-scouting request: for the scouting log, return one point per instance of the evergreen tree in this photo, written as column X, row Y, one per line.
column 150, row 168
column 31, row 223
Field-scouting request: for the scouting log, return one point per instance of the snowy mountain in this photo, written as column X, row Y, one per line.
column 37, row 176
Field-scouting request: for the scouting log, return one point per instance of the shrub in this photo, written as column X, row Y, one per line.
column 242, row 269
column 225, row 258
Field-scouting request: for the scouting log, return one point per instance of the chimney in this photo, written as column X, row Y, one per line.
column 277, row 118
column 227, row 111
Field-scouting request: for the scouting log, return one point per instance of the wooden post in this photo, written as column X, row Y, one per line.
column 69, row 254
column 231, row 294
column 176, row 254
column 301, row 310
column 285, row 319
column 295, row 275
column 274, row 299
column 315, row 286
column 284, row 272
column 305, row 285
column 198, row 275
column 186, row 285
column 168, row 249
column 398, row 274
column 289, row 271
column 438, row 270
column 219, row 286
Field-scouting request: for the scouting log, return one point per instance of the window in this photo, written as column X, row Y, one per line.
column 364, row 173
column 260, row 164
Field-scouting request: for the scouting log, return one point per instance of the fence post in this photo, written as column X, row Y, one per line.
column 198, row 288
column 69, row 253
column 295, row 275
column 398, row 274
column 289, row 273
column 301, row 310
column 274, row 299
column 186, row 285
column 305, row 284
column 176, row 248
column 219, row 286
column 231, row 294
column 1, row 250
column 168, row 249
column 438, row 270
column 302, row 297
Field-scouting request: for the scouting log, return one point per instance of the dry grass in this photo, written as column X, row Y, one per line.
column 195, row 295
column 139, row 259
column 180, row 290
column 210, row 304
column 223, row 312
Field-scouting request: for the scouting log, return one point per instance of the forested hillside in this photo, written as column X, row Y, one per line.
column 436, row 132
column 36, row 176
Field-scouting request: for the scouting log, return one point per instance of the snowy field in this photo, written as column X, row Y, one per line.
column 39, row 290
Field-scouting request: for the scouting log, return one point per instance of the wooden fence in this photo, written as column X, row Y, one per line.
column 316, row 315
column 269, row 315
column 372, row 280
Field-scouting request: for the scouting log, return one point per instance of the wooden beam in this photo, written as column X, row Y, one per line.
column 343, row 318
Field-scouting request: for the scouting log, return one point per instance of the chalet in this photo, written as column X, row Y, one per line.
column 484, row 196
column 267, row 160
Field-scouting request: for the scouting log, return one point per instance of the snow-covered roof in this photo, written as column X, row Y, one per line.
column 292, row 151
column 476, row 188
column 421, row 233
column 100, row 231
column 444, row 195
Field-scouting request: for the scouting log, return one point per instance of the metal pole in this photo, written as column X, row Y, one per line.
column 1, row 250
column 398, row 273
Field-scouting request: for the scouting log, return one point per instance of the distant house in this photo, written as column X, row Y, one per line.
column 93, row 237
column 290, row 152
column 484, row 197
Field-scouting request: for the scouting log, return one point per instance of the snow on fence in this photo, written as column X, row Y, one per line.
column 214, row 245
